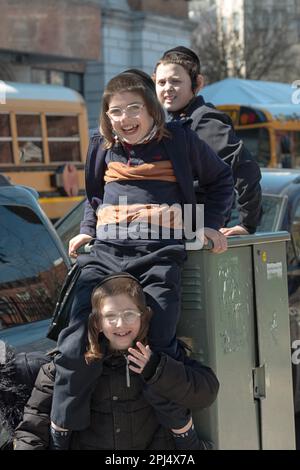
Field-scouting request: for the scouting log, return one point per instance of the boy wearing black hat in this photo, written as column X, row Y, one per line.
column 178, row 79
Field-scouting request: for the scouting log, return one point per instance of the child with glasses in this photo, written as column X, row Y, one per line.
column 123, row 406
column 131, row 110
column 137, row 182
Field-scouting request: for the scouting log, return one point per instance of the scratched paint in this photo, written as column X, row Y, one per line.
column 234, row 305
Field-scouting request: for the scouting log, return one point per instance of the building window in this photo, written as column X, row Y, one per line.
column 58, row 77
column 75, row 81
column 39, row 76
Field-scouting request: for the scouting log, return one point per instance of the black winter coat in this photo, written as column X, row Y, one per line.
column 121, row 417
column 216, row 129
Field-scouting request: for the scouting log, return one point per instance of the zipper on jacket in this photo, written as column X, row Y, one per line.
column 127, row 371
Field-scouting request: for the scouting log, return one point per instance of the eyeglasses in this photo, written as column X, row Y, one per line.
column 128, row 316
column 131, row 110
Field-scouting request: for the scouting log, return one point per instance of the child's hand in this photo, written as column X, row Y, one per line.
column 77, row 242
column 219, row 240
column 139, row 357
column 236, row 230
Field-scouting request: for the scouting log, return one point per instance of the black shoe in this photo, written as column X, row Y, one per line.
column 187, row 440
column 59, row 440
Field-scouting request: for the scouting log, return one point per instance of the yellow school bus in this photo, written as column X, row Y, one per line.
column 270, row 132
column 43, row 142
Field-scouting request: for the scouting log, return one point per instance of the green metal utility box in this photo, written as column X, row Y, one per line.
column 236, row 316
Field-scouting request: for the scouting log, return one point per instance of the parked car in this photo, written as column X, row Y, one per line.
column 69, row 225
column 33, row 265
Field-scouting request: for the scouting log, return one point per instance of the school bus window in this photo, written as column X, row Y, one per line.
column 6, row 155
column 63, row 138
column 250, row 116
column 62, row 126
column 257, row 142
column 30, row 152
column 4, row 126
column 28, row 125
column 29, row 138
column 6, row 152
column 64, row 151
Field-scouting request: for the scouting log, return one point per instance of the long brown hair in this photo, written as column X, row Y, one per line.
column 117, row 284
column 134, row 81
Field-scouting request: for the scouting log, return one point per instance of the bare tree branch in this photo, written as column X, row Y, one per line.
column 264, row 51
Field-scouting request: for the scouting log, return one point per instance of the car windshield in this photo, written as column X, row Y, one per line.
column 69, row 226
column 272, row 208
column 32, row 269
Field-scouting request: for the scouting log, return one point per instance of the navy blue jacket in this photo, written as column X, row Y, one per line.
column 216, row 129
column 191, row 160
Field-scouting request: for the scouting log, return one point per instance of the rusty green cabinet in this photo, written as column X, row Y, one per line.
column 235, row 314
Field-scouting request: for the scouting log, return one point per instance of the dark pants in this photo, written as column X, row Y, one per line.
column 158, row 267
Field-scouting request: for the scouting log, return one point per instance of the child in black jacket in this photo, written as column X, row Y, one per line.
column 139, row 176
column 134, row 388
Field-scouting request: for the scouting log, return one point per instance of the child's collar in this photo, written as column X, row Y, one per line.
column 144, row 140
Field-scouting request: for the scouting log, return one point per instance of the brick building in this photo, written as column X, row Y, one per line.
column 83, row 43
